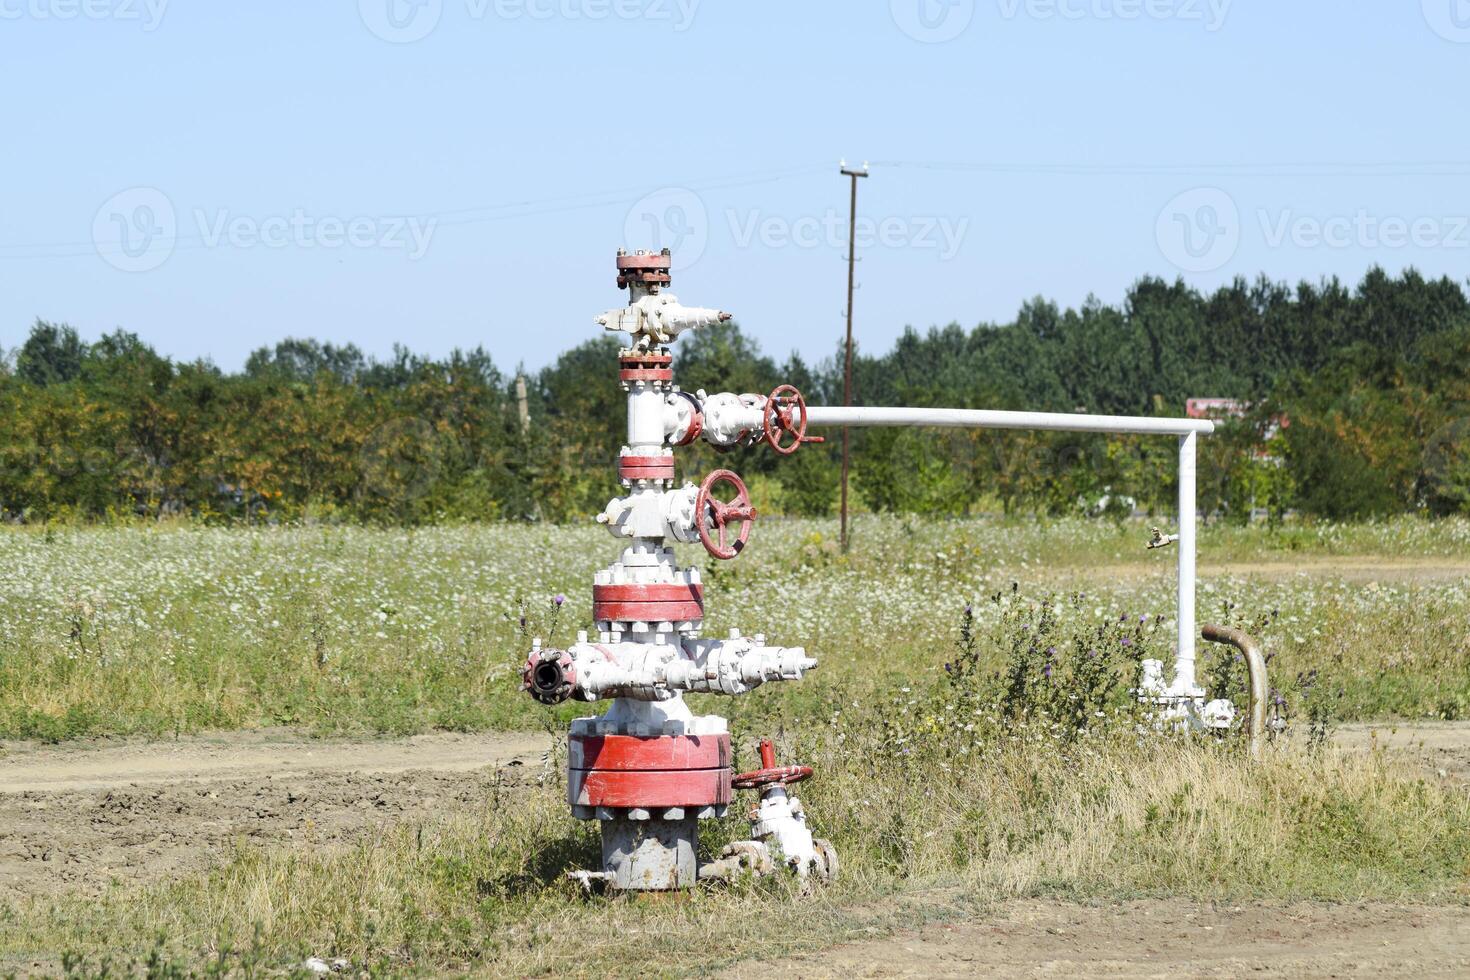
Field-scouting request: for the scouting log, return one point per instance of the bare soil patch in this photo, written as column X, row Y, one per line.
column 1159, row 939
column 78, row 817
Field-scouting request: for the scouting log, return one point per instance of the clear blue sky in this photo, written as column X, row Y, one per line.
column 1083, row 143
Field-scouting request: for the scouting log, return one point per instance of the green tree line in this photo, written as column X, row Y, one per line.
column 1359, row 406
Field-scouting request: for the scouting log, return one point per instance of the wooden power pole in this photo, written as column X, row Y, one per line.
column 853, row 176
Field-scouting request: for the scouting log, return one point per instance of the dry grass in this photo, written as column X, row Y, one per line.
column 926, row 833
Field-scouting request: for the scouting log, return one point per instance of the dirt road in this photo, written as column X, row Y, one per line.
column 1159, row 939
column 79, row 816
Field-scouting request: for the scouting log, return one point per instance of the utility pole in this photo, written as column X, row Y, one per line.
column 522, row 408
column 853, row 176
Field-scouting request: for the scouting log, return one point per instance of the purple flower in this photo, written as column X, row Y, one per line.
column 1046, row 671
column 559, row 598
column 1127, row 641
column 1051, row 651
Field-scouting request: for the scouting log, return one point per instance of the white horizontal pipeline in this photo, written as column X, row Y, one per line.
column 965, row 418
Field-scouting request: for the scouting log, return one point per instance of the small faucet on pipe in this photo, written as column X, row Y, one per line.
column 1158, row 539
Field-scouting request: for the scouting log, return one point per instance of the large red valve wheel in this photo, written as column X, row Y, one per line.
column 709, row 511
column 785, row 412
column 771, row 774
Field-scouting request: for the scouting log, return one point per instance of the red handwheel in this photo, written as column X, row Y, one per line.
column 771, row 774
column 785, row 411
column 709, row 511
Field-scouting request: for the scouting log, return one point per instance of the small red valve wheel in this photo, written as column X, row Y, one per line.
column 785, row 411
column 771, row 774
column 710, row 510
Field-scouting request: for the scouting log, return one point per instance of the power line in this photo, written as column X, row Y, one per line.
column 514, row 209
column 1443, row 168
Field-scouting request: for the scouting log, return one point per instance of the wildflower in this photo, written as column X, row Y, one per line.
column 559, row 599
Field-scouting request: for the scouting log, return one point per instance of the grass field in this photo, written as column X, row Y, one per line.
column 178, row 629
column 945, row 789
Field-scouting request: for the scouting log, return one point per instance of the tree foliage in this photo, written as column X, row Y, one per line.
column 1360, row 406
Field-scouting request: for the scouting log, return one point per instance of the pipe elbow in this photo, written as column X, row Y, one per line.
column 1255, row 661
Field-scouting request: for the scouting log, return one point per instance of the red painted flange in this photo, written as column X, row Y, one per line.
column 654, row 375
column 646, row 268
column 696, row 420
column 672, row 603
column 630, row 753
column 648, row 789
column 646, row 467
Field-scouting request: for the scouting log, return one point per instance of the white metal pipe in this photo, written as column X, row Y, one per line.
column 646, row 420
column 965, row 418
column 1184, row 680
column 1188, row 431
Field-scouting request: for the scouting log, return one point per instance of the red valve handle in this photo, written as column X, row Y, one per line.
column 708, row 509
column 772, row 774
column 785, row 411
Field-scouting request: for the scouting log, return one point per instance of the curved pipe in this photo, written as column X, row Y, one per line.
column 1255, row 662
